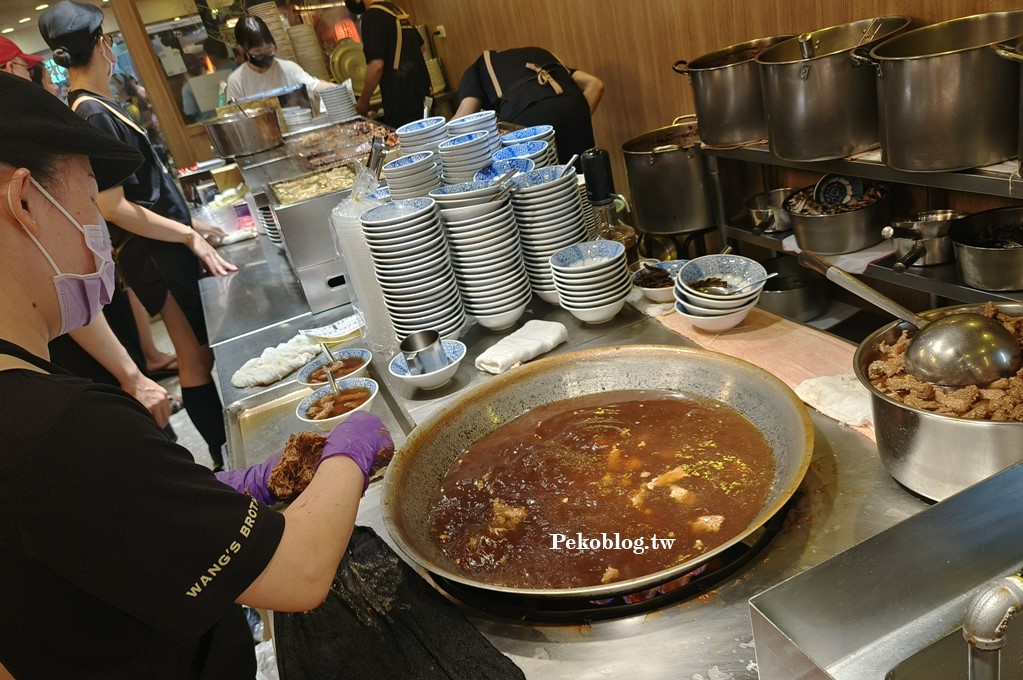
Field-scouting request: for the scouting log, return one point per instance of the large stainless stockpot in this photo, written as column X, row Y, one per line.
column 414, row 476
column 947, row 101
column 1014, row 52
column 935, row 455
column 668, row 179
column 989, row 248
column 244, row 132
column 727, row 93
column 823, row 105
column 844, row 232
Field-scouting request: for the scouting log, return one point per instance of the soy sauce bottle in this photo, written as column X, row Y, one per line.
column 600, row 191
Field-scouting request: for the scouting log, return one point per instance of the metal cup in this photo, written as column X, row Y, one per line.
column 424, row 352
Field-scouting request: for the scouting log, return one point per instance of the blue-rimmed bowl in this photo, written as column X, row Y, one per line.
column 472, row 119
column 420, row 126
column 381, row 194
column 409, row 165
column 465, row 190
column 664, row 293
column 534, row 133
column 533, row 150
column 470, row 139
column 398, row 212
column 587, row 257
column 735, row 270
column 541, row 179
column 339, row 354
column 344, row 384
column 498, row 168
column 715, row 324
column 455, row 352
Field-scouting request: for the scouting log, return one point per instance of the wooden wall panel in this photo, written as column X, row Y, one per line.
column 632, row 44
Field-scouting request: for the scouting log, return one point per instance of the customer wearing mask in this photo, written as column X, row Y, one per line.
column 264, row 70
column 158, row 250
column 394, row 61
column 122, row 559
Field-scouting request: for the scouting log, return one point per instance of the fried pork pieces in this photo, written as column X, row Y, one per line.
column 295, row 470
column 1001, row 400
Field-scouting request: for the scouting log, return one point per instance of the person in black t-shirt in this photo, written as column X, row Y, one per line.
column 159, row 250
column 122, row 558
column 394, row 60
column 530, row 86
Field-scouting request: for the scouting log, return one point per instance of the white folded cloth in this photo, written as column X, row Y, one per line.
column 841, row 397
column 276, row 362
column 643, row 305
column 855, row 262
column 533, row 339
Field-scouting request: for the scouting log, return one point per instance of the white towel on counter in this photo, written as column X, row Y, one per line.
column 276, row 362
column 855, row 262
column 643, row 305
column 841, row 397
column 533, row 339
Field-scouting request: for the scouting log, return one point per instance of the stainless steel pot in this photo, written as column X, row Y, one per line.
column 796, row 292
column 823, row 105
column 923, row 240
column 935, row 455
column 668, row 179
column 727, row 93
column 844, row 232
column 947, row 77
column 414, row 476
column 242, row 133
column 1015, row 53
column 989, row 249
column 768, row 212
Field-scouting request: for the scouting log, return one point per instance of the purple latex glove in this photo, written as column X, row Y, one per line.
column 253, row 480
column 360, row 437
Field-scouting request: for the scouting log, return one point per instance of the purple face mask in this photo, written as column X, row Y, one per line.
column 81, row 296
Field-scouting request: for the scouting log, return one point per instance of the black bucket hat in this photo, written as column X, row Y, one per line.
column 69, row 27
column 34, row 117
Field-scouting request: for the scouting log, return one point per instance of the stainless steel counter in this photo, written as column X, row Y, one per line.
column 845, row 498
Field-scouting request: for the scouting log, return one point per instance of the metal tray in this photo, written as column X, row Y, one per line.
column 897, row 599
column 259, row 425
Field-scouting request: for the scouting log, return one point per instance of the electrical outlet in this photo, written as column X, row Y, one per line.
column 440, row 32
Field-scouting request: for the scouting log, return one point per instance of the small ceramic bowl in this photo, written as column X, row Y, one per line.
column 696, row 310
column 455, row 352
column 715, row 324
column 737, row 271
column 343, row 384
column 664, row 293
column 339, row 354
column 587, row 257
column 595, row 315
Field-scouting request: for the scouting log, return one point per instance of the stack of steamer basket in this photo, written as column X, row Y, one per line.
column 267, row 11
column 307, row 51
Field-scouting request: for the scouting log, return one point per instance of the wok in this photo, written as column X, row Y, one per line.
column 415, row 473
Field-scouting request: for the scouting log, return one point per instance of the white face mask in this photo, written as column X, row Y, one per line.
column 81, row 296
column 111, row 60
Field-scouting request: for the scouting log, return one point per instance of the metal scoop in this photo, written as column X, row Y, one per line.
column 956, row 349
column 727, row 290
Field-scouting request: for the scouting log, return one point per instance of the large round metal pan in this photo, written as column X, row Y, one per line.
column 414, row 476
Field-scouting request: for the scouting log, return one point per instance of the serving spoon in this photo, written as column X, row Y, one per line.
column 725, row 290
column 955, row 349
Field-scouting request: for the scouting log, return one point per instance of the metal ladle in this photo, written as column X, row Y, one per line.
column 956, row 349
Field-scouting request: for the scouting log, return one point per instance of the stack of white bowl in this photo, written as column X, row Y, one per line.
column 481, row 121
column 549, row 216
column 297, row 116
column 484, row 246
column 592, row 279
column 463, row 156
column 501, row 168
column 421, row 135
column 714, row 312
column 410, row 257
column 536, row 133
column 412, row 176
column 340, row 102
column 538, row 152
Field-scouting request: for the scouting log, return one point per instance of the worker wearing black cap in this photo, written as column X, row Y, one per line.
column 121, row 557
column 152, row 230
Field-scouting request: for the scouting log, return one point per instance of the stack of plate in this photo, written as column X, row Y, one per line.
column 484, row 246
column 296, row 116
column 269, row 223
column 500, row 168
column 410, row 257
column 463, row 156
column 538, row 152
column 422, row 135
column 536, row 133
column 267, row 11
column 340, row 102
column 412, row 176
column 592, row 279
column 436, row 75
column 481, row 121
column 589, row 216
column 549, row 216
column 307, row 51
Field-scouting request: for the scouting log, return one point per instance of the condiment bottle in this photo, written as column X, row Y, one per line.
column 600, row 190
